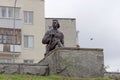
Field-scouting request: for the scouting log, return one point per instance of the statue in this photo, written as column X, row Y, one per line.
column 53, row 38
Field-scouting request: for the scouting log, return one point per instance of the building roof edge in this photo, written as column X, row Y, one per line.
column 61, row 18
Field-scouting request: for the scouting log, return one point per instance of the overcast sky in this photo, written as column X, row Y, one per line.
column 97, row 19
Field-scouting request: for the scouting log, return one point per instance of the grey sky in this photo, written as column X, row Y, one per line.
column 97, row 19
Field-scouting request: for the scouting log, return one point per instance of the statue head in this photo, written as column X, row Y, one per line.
column 55, row 24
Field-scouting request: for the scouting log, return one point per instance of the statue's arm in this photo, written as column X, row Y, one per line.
column 46, row 39
column 62, row 40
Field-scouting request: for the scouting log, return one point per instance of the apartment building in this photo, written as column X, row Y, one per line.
column 21, row 33
column 23, row 27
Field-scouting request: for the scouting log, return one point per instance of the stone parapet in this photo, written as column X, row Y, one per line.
column 75, row 62
column 114, row 75
column 32, row 69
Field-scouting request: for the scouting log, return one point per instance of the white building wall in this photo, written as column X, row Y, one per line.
column 37, row 30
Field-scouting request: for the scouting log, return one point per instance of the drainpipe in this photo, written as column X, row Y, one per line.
column 14, row 24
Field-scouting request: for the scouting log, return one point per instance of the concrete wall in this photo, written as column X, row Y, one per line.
column 75, row 62
column 31, row 69
column 70, row 62
column 113, row 75
column 68, row 27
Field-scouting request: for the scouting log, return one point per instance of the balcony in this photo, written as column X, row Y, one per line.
column 10, row 22
column 7, row 50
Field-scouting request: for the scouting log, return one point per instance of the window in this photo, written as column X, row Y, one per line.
column 6, row 60
column 7, row 39
column 8, row 12
column 28, row 41
column 28, row 17
column 3, row 12
column 7, row 36
column 0, row 38
column 17, row 13
column 4, row 39
column 6, row 48
column 28, row 61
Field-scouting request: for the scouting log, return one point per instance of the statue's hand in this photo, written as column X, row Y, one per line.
column 56, row 39
column 52, row 34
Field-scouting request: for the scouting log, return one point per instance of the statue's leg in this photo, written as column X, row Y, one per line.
column 60, row 44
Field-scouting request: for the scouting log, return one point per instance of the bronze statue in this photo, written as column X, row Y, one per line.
column 53, row 38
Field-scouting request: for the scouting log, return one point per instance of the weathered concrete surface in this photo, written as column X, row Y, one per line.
column 32, row 69
column 114, row 75
column 9, row 69
column 75, row 62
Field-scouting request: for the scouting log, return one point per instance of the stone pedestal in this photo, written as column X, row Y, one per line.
column 75, row 62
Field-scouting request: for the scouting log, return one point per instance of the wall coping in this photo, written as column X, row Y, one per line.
column 34, row 64
column 61, row 18
column 112, row 72
column 75, row 48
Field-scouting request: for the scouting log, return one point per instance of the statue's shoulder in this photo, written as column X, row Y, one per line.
column 60, row 32
column 48, row 31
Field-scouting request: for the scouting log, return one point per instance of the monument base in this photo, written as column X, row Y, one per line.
column 75, row 62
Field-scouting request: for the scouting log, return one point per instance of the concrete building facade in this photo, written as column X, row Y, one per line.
column 21, row 33
column 30, row 23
